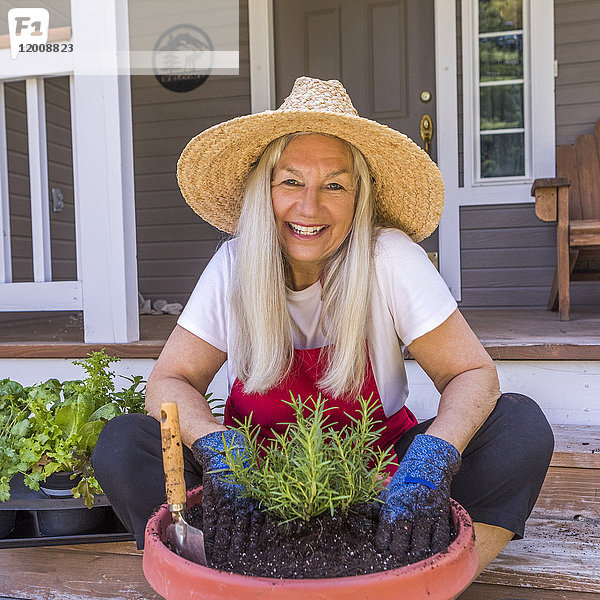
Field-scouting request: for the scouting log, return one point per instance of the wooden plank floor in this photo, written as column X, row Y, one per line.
column 552, row 553
column 558, row 559
column 506, row 334
column 107, row 571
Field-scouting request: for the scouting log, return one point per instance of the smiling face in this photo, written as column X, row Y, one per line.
column 313, row 193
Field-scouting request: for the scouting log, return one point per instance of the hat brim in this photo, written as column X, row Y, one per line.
column 213, row 167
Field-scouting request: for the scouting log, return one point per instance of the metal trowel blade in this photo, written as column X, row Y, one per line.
column 187, row 541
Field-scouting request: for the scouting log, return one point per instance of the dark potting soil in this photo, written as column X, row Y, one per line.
column 326, row 546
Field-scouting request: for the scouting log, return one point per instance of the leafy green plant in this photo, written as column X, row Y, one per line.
column 312, row 468
column 54, row 426
column 13, row 427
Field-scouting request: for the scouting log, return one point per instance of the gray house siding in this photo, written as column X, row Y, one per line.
column 18, row 181
column 60, row 175
column 510, row 264
column 508, row 256
column 174, row 244
column 578, row 55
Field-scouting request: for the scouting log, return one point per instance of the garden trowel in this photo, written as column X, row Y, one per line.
column 186, row 540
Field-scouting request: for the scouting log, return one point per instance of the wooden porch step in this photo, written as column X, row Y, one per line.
column 576, row 446
column 559, row 558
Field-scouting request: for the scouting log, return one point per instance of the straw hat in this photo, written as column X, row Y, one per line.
column 408, row 187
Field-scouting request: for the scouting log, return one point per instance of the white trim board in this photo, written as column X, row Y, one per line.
column 30, row 65
column 567, row 391
column 42, row 295
column 31, row 371
column 38, row 179
column 5, row 249
column 262, row 55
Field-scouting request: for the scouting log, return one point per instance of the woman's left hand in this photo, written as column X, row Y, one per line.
column 415, row 517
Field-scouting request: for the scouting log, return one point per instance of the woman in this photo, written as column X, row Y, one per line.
column 318, row 292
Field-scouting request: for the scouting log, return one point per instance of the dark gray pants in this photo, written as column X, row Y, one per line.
column 502, row 471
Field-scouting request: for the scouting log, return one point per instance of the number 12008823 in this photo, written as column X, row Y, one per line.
column 64, row 47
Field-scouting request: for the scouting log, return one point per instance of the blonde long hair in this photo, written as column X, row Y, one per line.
column 262, row 343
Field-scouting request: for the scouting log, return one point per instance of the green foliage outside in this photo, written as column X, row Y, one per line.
column 54, row 426
column 500, row 15
column 311, row 468
column 501, row 107
column 502, row 155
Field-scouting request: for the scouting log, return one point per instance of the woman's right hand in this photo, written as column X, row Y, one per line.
column 229, row 518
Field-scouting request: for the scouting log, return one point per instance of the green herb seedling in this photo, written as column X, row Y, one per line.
column 312, row 468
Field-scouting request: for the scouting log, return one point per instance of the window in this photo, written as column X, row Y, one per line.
column 501, row 120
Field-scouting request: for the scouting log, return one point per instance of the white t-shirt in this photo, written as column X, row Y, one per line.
column 408, row 299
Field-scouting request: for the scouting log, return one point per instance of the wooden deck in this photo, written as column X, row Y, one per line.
column 557, row 560
column 109, row 571
column 506, row 334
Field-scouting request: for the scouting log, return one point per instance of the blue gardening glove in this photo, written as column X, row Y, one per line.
column 415, row 516
column 229, row 520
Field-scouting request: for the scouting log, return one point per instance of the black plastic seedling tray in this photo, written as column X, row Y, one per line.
column 44, row 521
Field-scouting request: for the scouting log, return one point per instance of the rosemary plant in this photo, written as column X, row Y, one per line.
column 312, row 468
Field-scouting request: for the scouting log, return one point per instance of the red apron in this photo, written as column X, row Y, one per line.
column 271, row 414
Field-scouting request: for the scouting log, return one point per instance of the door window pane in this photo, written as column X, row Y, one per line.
column 502, row 155
column 500, row 15
column 502, row 88
column 501, row 57
column 501, row 106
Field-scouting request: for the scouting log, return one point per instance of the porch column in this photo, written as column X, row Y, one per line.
column 262, row 55
column 103, row 171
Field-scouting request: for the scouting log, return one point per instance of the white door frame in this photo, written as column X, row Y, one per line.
column 539, row 61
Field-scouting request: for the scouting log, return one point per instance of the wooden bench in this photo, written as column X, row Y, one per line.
column 573, row 200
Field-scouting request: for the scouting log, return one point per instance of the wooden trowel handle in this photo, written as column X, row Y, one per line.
column 172, row 452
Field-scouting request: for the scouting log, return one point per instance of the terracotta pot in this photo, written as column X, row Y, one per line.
column 440, row 577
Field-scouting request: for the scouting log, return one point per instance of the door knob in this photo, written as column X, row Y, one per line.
column 426, row 132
